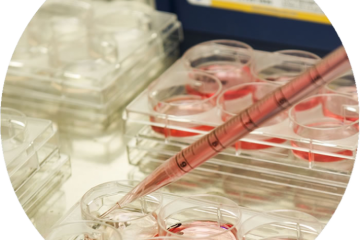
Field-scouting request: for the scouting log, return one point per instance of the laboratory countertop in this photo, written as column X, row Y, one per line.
column 85, row 175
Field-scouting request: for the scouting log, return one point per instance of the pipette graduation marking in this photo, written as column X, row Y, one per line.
column 332, row 66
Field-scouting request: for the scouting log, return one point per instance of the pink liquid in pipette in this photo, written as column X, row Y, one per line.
column 199, row 229
column 282, row 74
column 240, row 93
column 256, row 146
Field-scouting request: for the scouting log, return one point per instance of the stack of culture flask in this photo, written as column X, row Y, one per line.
column 31, row 153
column 79, row 62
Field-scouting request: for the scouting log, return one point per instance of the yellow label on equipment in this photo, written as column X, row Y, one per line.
column 305, row 10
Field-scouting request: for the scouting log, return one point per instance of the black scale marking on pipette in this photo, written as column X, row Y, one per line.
column 281, row 101
column 224, row 127
column 229, row 123
column 186, row 161
column 198, row 143
column 192, row 150
column 249, row 124
column 245, row 125
column 218, row 140
column 188, row 151
column 317, row 78
column 206, row 138
column 177, row 162
column 214, row 143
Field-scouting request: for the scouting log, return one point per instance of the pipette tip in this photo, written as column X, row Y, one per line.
column 116, row 206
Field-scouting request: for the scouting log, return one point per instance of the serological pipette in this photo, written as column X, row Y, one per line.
column 332, row 66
